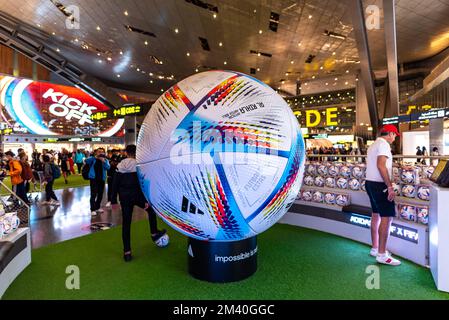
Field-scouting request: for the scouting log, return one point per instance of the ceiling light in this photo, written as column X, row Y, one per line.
column 196, row 70
column 53, row 33
column 121, row 52
column 118, row 76
column 356, row 79
column 98, row 28
column 333, row 53
column 292, row 62
column 161, row 77
column 220, row 44
column 346, row 83
column 260, row 31
column 100, row 61
column 109, row 58
column 76, row 39
column 310, row 16
column 125, row 13
column 138, row 69
column 98, row 54
column 215, row 15
column 299, row 44
column 282, row 81
column 151, row 81
column 258, row 54
column 162, row 90
column 258, row 69
column 313, row 77
column 255, row 11
column 286, row 74
column 146, row 43
column 305, row 83
column 225, row 62
column 176, row 30
column 321, row 68
column 279, row 88
column 347, row 71
column 57, row 50
column 336, row 79
column 188, row 54
column 151, row 73
column 38, row 25
column 327, row 84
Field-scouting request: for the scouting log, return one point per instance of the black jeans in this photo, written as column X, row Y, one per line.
column 96, row 194
column 79, row 165
column 127, row 215
column 49, row 193
column 20, row 191
column 110, row 183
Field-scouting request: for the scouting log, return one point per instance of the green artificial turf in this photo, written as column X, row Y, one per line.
column 293, row 263
column 74, row 181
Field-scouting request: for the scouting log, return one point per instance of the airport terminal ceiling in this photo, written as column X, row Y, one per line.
column 147, row 46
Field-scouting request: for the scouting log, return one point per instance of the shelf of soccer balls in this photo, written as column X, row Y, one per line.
column 325, row 183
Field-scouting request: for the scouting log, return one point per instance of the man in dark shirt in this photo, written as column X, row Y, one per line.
column 97, row 175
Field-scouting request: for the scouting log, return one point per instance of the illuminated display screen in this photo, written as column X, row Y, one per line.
column 43, row 108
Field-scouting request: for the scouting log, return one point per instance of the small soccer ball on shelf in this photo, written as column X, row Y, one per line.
column 396, row 172
column 311, row 169
column 333, row 170
column 358, row 172
column 408, row 175
column 308, row 181
column 307, row 195
column 322, row 170
column 329, row 198
column 396, row 188
column 319, row 181
column 409, row 191
column 407, row 212
column 345, row 171
column 428, row 171
column 354, row 184
column 423, row 193
column 342, row 200
column 330, row 182
column 362, row 185
column 317, row 197
column 423, row 214
column 342, row 183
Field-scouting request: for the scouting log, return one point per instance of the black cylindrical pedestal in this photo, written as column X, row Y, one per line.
column 222, row 261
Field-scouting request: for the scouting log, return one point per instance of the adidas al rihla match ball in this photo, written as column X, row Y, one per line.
column 220, row 156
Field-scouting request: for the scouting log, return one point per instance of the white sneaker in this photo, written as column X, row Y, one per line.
column 94, row 213
column 108, row 204
column 374, row 252
column 387, row 259
column 100, row 211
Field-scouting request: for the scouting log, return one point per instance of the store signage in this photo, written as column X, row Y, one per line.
column 396, row 230
column 125, row 110
column 313, row 117
column 392, row 120
column 432, row 114
column 53, row 140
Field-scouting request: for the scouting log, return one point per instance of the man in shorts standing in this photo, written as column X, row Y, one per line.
column 381, row 193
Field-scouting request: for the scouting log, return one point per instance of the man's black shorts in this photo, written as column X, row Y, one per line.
column 379, row 199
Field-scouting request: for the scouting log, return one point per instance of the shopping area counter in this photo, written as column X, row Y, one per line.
column 343, row 208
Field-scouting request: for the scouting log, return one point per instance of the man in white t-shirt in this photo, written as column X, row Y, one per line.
column 381, row 193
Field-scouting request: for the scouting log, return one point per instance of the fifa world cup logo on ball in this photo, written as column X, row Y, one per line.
column 220, row 156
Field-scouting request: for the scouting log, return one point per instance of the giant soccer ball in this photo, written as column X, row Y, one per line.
column 220, row 156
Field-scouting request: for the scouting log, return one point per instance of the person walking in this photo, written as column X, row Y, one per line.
column 65, row 164
column 15, row 171
column 418, row 153
column 27, row 173
column 126, row 185
column 79, row 159
column 114, row 159
column 435, row 153
column 98, row 166
column 381, row 194
column 49, row 179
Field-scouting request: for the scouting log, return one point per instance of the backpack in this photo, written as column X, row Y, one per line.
column 27, row 172
column 56, row 171
column 85, row 171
